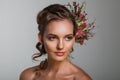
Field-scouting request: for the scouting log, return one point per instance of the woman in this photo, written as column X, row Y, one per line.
column 57, row 28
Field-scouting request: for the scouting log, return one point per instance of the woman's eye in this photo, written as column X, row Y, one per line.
column 68, row 38
column 52, row 38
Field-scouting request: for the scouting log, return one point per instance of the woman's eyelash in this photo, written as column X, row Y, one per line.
column 51, row 38
column 69, row 38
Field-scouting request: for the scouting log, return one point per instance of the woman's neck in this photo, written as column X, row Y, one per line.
column 57, row 66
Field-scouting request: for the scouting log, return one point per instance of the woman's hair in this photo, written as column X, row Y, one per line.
column 51, row 13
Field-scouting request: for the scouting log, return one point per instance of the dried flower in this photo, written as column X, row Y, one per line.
column 83, row 31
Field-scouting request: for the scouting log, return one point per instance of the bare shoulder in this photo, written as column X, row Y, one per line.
column 29, row 73
column 80, row 74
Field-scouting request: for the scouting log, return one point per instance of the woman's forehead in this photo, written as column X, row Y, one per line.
column 60, row 26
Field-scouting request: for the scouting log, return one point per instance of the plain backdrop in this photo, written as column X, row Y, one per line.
column 99, row 57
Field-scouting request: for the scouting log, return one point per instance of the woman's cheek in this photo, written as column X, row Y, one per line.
column 69, row 47
column 49, row 46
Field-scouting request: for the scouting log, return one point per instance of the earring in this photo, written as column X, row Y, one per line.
column 70, row 55
column 72, row 50
column 40, row 46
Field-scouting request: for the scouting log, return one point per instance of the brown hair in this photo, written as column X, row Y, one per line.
column 48, row 14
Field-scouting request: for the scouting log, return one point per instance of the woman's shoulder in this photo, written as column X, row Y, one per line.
column 80, row 74
column 29, row 73
column 33, row 72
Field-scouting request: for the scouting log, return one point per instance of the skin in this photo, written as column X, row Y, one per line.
column 58, row 37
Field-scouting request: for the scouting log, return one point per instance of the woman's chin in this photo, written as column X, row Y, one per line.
column 60, row 58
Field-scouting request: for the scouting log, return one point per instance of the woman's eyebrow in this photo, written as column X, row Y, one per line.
column 70, row 34
column 50, row 34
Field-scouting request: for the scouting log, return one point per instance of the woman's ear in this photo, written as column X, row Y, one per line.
column 40, row 37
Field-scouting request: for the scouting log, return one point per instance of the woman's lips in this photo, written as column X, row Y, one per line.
column 59, row 53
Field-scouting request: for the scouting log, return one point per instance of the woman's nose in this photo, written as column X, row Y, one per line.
column 60, row 45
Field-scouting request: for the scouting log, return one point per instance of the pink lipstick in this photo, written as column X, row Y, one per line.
column 59, row 53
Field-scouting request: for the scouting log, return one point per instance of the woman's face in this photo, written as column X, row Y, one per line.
column 58, row 39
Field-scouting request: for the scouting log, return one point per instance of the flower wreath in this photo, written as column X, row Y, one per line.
column 83, row 31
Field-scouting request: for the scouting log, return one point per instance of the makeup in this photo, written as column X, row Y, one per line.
column 59, row 53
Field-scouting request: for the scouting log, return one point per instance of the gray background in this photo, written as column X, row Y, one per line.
column 18, row 37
